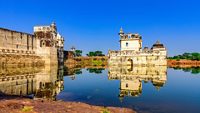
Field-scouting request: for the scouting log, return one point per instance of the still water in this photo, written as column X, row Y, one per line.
column 144, row 89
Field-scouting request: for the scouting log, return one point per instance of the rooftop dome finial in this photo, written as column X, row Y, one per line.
column 157, row 42
column 121, row 30
column 53, row 23
column 73, row 48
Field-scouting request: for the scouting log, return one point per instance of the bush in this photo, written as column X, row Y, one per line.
column 187, row 56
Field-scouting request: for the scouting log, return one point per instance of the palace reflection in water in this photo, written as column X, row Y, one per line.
column 41, row 82
column 131, row 78
column 152, row 89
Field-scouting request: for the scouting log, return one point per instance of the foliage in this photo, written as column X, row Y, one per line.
column 72, row 71
column 95, row 53
column 95, row 70
column 78, row 53
column 78, row 71
column 193, row 70
column 187, row 56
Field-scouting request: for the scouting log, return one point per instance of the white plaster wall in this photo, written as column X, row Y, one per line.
column 132, row 45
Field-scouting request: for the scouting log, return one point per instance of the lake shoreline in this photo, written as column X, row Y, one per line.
column 102, row 61
column 20, row 104
column 183, row 63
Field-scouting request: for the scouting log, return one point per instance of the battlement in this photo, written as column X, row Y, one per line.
column 130, row 36
column 47, row 28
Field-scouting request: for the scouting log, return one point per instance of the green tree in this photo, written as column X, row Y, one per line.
column 78, row 53
column 96, row 53
column 188, row 56
column 91, row 54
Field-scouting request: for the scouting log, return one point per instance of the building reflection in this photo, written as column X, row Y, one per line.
column 72, row 72
column 41, row 82
column 131, row 78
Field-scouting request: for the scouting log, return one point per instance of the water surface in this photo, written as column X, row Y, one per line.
column 145, row 89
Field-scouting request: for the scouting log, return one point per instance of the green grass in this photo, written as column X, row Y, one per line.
column 105, row 110
column 27, row 109
column 97, row 62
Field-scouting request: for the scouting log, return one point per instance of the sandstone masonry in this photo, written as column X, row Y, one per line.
column 44, row 47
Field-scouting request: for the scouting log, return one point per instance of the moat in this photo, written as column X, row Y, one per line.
column 144, row 89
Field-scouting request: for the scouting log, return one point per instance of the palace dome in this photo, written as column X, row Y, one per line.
column 158, row 45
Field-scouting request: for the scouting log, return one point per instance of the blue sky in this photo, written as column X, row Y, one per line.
column 92, row 25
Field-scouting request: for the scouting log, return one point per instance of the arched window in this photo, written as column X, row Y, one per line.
column 126, row 85
column 126, row 44
column 42, row 43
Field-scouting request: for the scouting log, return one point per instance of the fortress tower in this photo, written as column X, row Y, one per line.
column 50, row 43
column 130, row 41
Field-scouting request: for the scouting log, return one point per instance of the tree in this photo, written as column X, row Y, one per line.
column 78, row 53
column 188, row 56
column 91, row 54
column 96, row 53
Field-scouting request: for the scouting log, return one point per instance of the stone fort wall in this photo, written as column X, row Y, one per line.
column 17, row 42
column 23, row 49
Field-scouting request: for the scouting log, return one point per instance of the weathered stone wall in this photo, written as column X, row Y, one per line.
column 137, row 58
column 23, row 49
column 14, row 40
column 18, row 49
column 48, row 54
column 20, row 60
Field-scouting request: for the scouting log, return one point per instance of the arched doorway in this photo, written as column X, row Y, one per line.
column 130, row 62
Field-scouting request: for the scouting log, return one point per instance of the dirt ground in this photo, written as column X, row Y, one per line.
column 23, row 105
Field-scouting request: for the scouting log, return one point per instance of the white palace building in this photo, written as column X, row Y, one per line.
column 132, row 54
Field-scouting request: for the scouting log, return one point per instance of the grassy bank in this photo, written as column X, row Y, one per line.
column 87, row 61
column 102, row 61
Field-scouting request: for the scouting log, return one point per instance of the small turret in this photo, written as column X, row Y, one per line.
column 53, row 26
column 121, row 32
